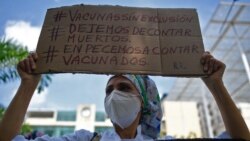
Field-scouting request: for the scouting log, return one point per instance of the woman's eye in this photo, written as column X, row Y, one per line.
column 108, row 91
column 125, row 88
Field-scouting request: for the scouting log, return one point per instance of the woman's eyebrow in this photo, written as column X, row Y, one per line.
column 124, row 84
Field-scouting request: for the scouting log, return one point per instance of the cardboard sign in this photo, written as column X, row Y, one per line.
column 115, row 39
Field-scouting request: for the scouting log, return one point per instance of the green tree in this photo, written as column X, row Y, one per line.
column 10, row 54
column 26, row 128
column 1, row 113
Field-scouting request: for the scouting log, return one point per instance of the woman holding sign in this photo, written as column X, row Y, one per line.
column 132, row 103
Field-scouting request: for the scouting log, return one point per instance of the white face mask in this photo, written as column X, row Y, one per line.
column 122, row 107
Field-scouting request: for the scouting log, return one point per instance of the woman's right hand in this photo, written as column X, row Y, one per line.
column 26, row 67
column 11, row 122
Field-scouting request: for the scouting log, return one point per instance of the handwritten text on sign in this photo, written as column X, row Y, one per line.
column 114, row 39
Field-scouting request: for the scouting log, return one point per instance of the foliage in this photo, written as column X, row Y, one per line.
column 1, row 113
column 10, row 54
column 26, row 128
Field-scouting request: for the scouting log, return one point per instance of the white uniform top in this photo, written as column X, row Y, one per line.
column 84, row 135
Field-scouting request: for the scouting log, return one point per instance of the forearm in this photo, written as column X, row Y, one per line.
column 13, row 118
column 234, row 122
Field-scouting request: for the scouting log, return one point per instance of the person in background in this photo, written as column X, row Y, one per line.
column 132, row 102
column 34, row 134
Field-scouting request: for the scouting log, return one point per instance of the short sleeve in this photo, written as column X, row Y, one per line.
column 79, row 135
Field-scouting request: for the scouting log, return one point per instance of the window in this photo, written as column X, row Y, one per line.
column 66, row 116
column 55, row 130
column 100, row 116
column 41, row 114
column 100, row 129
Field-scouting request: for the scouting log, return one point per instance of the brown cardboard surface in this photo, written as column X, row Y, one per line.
column 115, row 39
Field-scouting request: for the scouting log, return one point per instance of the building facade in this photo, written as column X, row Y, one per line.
column 216, row 122
column 181, row 119
column 57, row 123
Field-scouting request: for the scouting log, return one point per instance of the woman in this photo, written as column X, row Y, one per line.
column 131, row 102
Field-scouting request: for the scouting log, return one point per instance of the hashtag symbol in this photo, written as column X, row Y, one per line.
column 55, row 32
column 59, row 15
column 50, row 54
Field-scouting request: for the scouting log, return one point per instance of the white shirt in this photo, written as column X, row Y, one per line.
column 84, row 135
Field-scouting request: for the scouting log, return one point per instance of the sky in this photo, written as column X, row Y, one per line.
column 22, row 21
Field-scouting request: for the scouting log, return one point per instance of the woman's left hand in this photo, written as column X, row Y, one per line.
column 212, row 67
column 233, row 120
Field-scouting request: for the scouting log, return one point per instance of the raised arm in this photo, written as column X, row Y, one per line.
column 234, row 122
column 12, row 120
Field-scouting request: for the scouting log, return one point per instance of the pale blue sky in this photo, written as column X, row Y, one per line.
column 22, row 20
